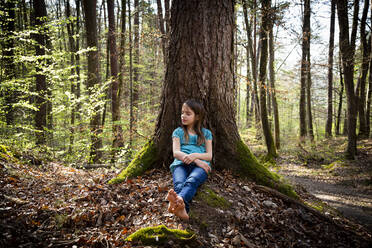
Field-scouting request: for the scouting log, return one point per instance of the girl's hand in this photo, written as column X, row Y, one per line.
column 188, row 159
column 203, row 165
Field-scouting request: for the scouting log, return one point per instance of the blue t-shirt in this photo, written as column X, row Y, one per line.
column 191, row 146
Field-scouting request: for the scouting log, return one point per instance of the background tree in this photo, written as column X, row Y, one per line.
column 330, row 70
column 40, row 16
column 347, row 48
column 264, row 31
column 215, row 91
column 304, row 67
column 115, row 85
column 90, row 14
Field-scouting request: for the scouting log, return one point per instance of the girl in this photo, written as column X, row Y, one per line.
column 192, row 152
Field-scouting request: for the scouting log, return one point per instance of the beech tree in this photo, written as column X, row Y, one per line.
column 196, row 31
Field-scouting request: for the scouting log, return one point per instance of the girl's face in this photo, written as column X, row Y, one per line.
column 188, row 116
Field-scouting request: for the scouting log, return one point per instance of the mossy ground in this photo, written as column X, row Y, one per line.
column 159, row 235
column 211, row 198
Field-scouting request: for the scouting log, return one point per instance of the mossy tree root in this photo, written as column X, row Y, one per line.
column 143, row 161
column 252, row 169
column 159, row 235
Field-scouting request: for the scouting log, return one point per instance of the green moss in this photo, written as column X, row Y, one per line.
column 141, row 162
column 252, row 169
column 159, row 235
column 212, row 199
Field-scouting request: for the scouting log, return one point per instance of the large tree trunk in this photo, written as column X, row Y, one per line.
column 41, row 87
column 272, row 85
column 304, row 67
column 361, row 97
column 115, row 89
column 8, row 27
column 93, row 76
column 265, row 26
column 207, row 78
column 328, row 128
column 347, row 48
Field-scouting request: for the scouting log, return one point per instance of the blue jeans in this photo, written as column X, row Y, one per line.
column 186, row 180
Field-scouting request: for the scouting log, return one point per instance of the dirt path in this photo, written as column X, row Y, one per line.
column 343, row 185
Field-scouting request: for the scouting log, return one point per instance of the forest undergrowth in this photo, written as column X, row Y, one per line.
column 48, row 204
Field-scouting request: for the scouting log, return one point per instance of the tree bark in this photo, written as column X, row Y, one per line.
column 90, row 13
column 308, row 95
column 304, row 67
column 365, row 47
column 328, row 128
column 196, row 31
column 272, row 86
column 347, row 48
column 122, row 88
column 265, row 26
column 41, row 87
column 136, row 61
column 115, row 85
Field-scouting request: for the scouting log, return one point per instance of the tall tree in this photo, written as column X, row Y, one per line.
column 122, row 48
column 304, row 67
column 361, row 85
column 136, row 60
column 347, row 48
column 272, row 86
column 207, row 78
column 328, row 128
column 90, row 14
column 308, row 97
column 131, row 114
column 162, row 31
column 7, row 13
column 40, row 15
column 115, row 89
column 264, row 30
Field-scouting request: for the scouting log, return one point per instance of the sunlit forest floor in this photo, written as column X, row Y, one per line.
column 53, row 205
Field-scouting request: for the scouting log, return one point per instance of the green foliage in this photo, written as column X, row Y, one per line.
column 159, row 235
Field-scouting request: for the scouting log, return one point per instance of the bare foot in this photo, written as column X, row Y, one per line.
column 172, row 198
column 180, row 210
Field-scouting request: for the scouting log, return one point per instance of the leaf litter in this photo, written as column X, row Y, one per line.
column 59, row 206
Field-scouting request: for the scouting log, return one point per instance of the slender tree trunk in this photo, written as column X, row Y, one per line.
column 254, row 70
column 340, row 97
column 273, row 90
column 250, row 57
column 162, row 31
column 131, row 115
column 90, row 14
column 122, row 87
column 265, row 26
column 328, row 129
column 308, row 95
column 136, row 61
column 208, row 79
column 70, row 32
column 41, row 86
column 347, row 48
column 77, row 58
column 8, row 28
column 304, row 67
column 369, row 97
column 365, row 47
column 115, row 100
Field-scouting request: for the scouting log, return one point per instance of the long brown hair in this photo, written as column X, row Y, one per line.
column 200, row 113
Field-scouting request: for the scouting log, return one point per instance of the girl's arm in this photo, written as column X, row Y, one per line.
column 189, row 158
column 177, row 149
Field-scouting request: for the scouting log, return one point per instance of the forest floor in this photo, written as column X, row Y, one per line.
column 53, row 205
column 345, row 185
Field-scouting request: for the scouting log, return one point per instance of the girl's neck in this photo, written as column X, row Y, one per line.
column 190, row 129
